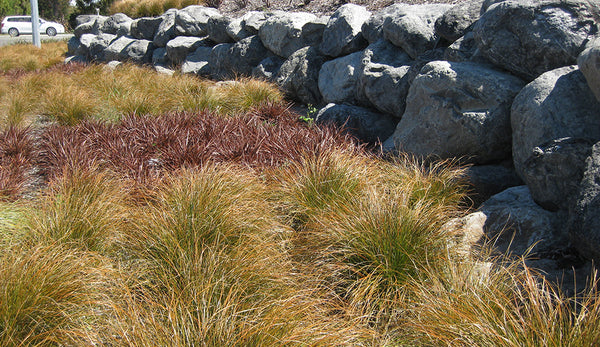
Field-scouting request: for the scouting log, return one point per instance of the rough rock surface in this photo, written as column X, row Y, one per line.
column 338, row 78
column 455, row 22
column 412, row 27
column 530, row 37
column 216, row 29
column 584, row 227
column 364, row 124
column 192, row 20
column 299, row 75
column 129, row 49
column 343, row 32
column 117, row 24
column 197, row 62
column 458, row 110
column 559, row 104
column 166, row 30
column 268, row 68
column 283, row 33
column 145, row 28
column 181, row 46
column 488, row 180
column 589, row 64
column 372, row 28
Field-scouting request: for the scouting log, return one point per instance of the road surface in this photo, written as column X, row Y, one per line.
column 6, row 40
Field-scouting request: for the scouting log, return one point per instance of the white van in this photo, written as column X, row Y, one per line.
column 17, row 25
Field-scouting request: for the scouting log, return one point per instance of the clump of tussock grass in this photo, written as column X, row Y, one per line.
column 47, row 295
column 83, row 209
column 97, row 93
column 141, row 147
column 26, row 57
column 504, row 306
column 17, row 158
column 149, row 8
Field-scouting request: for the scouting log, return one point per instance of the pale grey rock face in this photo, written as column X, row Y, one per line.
column 412, row 28
column 145, row 28
column 283, row 33
column 166, row 30
column 299, row 75
column 552, row 118
column 343, row 35
column 192, row 20
column 584, row 223
column 458, row 110
column 129, row 49
column 116, row 50
column 589, row 64
column 455, row 22
column 179, row 48
column 98, row 45
column 338, row 78
column 197, row 62
column 84, row 18
column 465, row 50
column 530, row 37
column 364, row 124
column 216, row 29
column 117, row 24
column 372, row 28
column 383, row 81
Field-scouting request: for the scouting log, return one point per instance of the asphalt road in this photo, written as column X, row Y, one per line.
column 6, row 40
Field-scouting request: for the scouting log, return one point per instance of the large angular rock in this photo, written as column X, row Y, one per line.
column 465, row 50
column 515, row 224
column 557, row 105
column 235, row 29
column 220, row 61
column 584, row 224
column 197, row 62
column 192, row 20
column 338, row 78
column 554, row 171
column 364, row 124
column 268, row 68
column 343, row 32
column 84, row 18
column 299, row 75
column 166, row 30
column 383, row 81
column 458, row 110
column 92, row 26
column 159, row 57
column 372, row 28
column 179, row 48
column 246, row 54
column 98, row 46
column 216, row 29
column 413, row 27
column 129, row 49
column 589, row 64
column 72, row 45
column 458, row 20
column 284, row 33
column 530, row 37
column 247, row 25
column 117, row 24
column 145, row 28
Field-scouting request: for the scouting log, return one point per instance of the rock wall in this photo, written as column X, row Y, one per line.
column 511, row 87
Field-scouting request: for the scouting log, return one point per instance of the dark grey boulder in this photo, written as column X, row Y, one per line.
column 246, row 54
column 216, row 29
column 219, row 62
column 192, row 20
column 181, row 46
column 84, row 28
column 530, row 37
column 458, row 110
column 366, row 125
column 372, row 28
column 268, row 68
column 465, row 50
column 584, row 224
column 488, row 180
column 160, row 58
column 342, row 35
column 557, row 105
column 554, row 170
column 284, row 32
column 166, row 30
column 589, row 64
column 455, row 22
column 412, row 28
column 145, row 28
column 72, row 45
column 299, row 75
column 338, row 78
